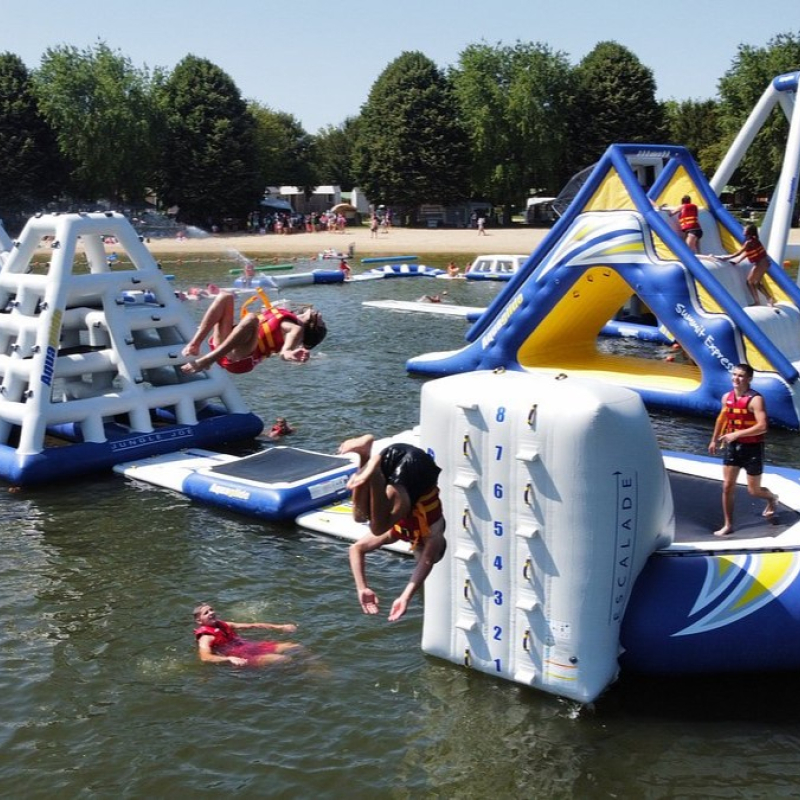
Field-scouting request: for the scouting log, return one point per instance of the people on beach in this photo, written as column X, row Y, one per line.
column 280, row 428
column 396, row 491
column 481, row 226
column 218, row 642
column 689, row 221
column 756, row 254
column 740, row 428
column 238, row 347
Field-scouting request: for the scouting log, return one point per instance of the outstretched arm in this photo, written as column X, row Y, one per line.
column 204, row 651
column 366, row 544
column 431, row 554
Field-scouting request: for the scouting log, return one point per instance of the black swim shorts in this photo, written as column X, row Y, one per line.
column 748, row 456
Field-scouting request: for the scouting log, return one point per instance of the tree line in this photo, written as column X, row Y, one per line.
column 504, row 122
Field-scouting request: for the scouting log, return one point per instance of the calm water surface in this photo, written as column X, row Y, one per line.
column 101, row 693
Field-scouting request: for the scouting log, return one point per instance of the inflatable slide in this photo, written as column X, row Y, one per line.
column 614, row 243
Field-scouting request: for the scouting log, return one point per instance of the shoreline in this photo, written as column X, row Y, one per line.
column 399, row 241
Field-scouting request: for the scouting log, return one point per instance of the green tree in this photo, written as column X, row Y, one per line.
column 100, row 108
column 740, row 89
column 615, row 103
column 209, row 163
column 695, row 124
column 284, row 151
column 411, row 148
column 334, row 153
column 31, row 171
column 514, row 103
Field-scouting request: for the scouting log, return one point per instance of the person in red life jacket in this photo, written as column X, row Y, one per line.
column 756, row 254
column 689, row 221
column 219, row 642
column 740, row 428
column 280, row 428
column 396, row 491
column 238, row 348
column 345, row 268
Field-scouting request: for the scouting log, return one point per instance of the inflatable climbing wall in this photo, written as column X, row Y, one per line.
column 555, row 494
column 90, row 355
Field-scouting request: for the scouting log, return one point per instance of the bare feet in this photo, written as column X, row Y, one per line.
column 727, row 530
column 769, row 511
column 360, row 445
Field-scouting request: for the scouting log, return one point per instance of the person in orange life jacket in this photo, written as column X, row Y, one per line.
column 740, row 427
column 219, row 642
column 756, row 254
column 239, row 347
column 345, row 268
column 396, row 491
column 688, row 219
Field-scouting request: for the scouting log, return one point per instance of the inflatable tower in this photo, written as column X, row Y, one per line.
column 90, row 356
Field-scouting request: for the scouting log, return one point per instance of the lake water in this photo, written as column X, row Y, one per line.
column 102, row 695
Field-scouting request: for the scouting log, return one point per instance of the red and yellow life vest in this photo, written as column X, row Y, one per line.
column 417, row 527
column 688, row 217
column 740, row 416
column 754, row 251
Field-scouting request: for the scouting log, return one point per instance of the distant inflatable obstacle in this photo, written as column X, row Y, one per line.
column 613, row 243
column 87, row 379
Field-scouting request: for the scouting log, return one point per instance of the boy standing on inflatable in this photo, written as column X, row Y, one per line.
column 740, row 428
column 238, row 348
column 396, row 491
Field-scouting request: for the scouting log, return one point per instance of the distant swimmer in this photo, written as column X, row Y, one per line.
column 280, row 428
column 218, row 642
column 396, row 491
column 238, row 348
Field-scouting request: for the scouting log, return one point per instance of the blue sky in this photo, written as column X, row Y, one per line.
column 318, row 60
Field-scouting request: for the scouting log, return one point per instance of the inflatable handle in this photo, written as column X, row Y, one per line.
column 467, row 584
column 526, row 641
column 467, row 658
column 465, row 446
column 528, row 492
column 465, row 518
column 526, row 568
column 532, row 415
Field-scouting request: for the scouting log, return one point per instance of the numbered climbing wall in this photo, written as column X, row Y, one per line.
column 555, row 495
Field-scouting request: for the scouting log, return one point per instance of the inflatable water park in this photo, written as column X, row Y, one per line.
column 87, row 377
column 614, row 243
column 576, row 548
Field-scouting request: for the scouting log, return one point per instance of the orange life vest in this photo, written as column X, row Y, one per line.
column 688, row 217
column 754, row 251
column 417, row 527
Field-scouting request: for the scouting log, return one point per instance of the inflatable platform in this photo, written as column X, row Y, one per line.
column 275, row 484
column 88, row 379
column 613, row 243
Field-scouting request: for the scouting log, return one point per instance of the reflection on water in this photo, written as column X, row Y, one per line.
column 101, row 694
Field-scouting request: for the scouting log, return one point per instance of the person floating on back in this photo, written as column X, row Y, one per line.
column 239, row 347
column 218, row 642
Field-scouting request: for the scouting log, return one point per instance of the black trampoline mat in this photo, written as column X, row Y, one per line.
column 698, row 510
column 280, row 465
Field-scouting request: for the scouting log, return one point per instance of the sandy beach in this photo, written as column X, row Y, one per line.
column 398, row 241
column 459, row 243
